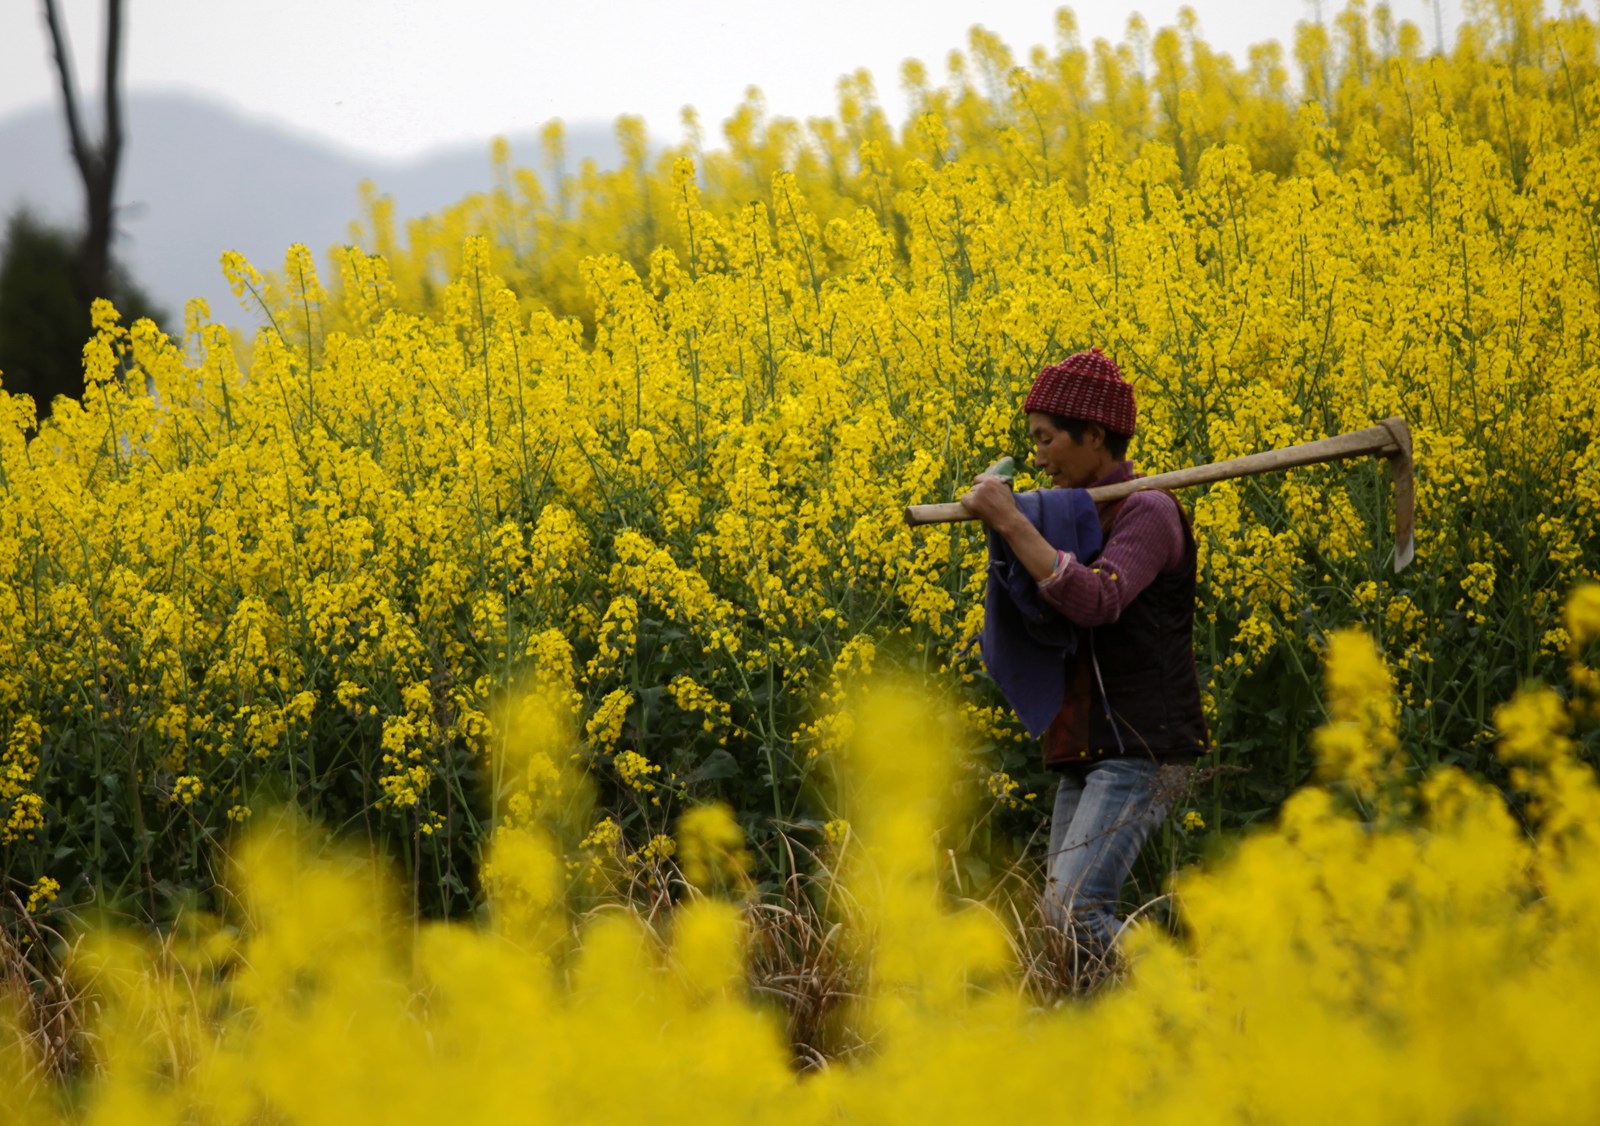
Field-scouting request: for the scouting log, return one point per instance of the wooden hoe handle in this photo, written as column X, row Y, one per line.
column 1390, row 439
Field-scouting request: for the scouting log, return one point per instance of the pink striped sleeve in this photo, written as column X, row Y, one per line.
column 1146, row 540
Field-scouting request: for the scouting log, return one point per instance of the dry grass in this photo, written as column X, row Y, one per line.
column 808, row 956
column 51, row 1010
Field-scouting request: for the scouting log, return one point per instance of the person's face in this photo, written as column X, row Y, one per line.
column 1070, row 464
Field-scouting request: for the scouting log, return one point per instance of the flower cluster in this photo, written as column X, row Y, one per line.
column 1445, row 959
column 617, row 433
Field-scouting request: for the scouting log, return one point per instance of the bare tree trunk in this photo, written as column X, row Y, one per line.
column 97, row 163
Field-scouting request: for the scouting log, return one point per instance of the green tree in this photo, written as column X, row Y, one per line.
column 42, row 318
column 44, row 314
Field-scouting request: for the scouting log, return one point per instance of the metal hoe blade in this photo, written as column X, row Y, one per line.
column 1405, row 494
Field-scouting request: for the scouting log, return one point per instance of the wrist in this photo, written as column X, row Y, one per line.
column 1063, row 560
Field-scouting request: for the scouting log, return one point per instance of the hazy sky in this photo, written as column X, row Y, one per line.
column 396, row 77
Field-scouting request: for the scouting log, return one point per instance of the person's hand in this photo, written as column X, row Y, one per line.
column 990, row 500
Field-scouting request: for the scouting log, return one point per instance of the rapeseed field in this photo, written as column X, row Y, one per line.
column 437, row 688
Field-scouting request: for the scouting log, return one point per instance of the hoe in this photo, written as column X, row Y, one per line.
column 1389, row 439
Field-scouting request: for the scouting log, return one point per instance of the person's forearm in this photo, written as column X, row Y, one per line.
column 1087, row 596
column 1148, row 539
column 1032, row 550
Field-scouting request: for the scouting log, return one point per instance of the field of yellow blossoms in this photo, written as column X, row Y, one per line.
column 545, row 554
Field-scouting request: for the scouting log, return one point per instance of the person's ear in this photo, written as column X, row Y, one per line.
column 1094, row 435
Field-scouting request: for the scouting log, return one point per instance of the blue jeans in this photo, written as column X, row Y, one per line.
column 1104, row 813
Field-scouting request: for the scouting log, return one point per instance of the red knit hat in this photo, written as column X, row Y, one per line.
column 1086, row 385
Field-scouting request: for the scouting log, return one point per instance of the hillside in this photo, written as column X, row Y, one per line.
column 199, row 179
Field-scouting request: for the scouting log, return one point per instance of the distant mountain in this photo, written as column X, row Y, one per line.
column 198, row 179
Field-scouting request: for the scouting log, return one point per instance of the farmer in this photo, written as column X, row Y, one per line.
column 1131, row 705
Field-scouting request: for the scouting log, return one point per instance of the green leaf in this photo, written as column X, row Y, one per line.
column 717, row 765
